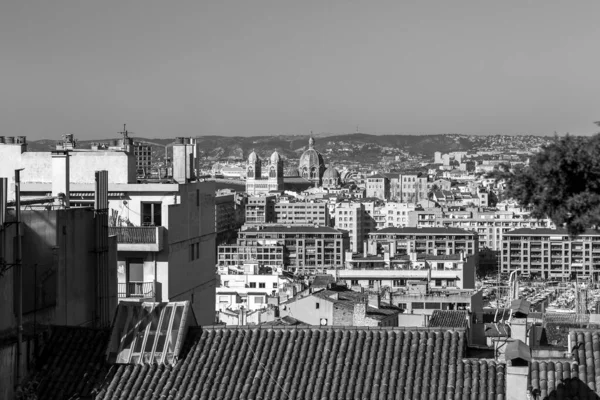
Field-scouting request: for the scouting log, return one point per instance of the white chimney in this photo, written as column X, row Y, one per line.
column 60, row 177
column 181, row 161
column 518, row 359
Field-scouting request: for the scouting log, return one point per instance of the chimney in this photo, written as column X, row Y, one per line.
column 393, row 249
column 181, row 161
column 518, row 358
column 374, row 300
column 60, row 177
column 365, row 248
column 359, row 313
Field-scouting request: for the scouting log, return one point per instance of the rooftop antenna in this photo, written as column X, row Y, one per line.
column 125, row 133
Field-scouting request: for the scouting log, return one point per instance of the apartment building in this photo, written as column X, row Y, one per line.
column 353, row 218
column 165, row 232
column 260, row 210
column 490, row 225
column 408, row 187
column 393, row 214
column 392, row 272
column 551, row 253
column 301, row 212
column 377, row 186
column 235, row 257
column 306, row 248
column 437, row 241
column 143, row 158
column 251, row 291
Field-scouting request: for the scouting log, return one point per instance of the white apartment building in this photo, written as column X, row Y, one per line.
column 352, row 217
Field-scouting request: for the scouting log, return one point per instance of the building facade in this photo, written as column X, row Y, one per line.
column 551, row 253
column 306, row 248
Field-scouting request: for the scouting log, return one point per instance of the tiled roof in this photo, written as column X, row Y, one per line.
column 277, row 363
column 73, row 363
column 578, row 379
column 497, row 330
column 448, row 319
column 323, row 280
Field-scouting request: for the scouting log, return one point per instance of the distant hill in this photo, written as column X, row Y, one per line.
column 357, row 146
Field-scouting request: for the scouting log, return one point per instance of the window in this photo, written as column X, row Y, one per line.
column 440, row 266
column 399, row 282
column 371, row 283
column 151, row 214
column 226, row 283
column 438, row 282
column 274, row 285
column 252, row 285
column 317, row 305
column 259, row 299
column 261, row 285
column 354, row 282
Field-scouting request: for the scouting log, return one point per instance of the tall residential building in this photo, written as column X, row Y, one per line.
column 143, row 158
column 306, row 248
column 490, row 225
column 393, row 214
column 301, row 212
column 260, row 210
column 353, row 218
column 551, row 253
column 437, row 241
column 165, row 232
column 378, row 186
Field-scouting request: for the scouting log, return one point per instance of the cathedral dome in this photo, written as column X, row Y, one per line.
column 311, row 164
column 253, row 158
column 331, row 173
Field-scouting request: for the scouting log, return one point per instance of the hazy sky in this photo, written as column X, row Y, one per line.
column 253, row 67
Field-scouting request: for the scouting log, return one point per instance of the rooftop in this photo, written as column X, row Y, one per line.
column 548, row 231
column 293, row 229
column 448, row 319
column 274, row 362
column 425, row 230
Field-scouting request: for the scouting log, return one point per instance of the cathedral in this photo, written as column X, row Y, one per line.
column 255, row 183
column 311, row 168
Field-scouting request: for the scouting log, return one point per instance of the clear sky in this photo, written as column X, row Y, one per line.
column 254, row 67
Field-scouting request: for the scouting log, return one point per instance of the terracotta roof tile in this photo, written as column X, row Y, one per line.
column 278, row 362
column 448, row 319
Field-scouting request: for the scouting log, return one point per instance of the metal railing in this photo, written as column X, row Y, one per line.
column 136, row 289
column 133, row 234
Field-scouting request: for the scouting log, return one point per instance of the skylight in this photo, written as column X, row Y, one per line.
column 148, row 333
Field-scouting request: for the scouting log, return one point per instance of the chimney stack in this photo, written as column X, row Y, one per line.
column 518, row 359
column 60, row 177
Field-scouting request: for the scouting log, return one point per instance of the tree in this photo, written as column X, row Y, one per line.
column 562, row 182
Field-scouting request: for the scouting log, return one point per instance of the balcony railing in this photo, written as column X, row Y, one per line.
column 136, row 289
column 133, row 234
column 138, row 238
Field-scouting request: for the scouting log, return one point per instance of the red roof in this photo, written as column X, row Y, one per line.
column 296, row 362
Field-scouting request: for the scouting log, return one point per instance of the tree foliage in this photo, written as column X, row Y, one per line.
column 562, row 182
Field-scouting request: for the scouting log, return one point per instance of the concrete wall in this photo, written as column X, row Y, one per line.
column 193, row 222
column 7, row 316
column 60, row 244
column 306, row 311
column 38, row 166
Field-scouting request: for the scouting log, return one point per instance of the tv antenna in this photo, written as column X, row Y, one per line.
column 125, row 132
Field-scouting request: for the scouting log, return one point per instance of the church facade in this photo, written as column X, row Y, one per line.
column 311, row 167
column 255, row 183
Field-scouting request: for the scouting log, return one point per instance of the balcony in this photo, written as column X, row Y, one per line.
column 138, row 238
column 139, row 290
